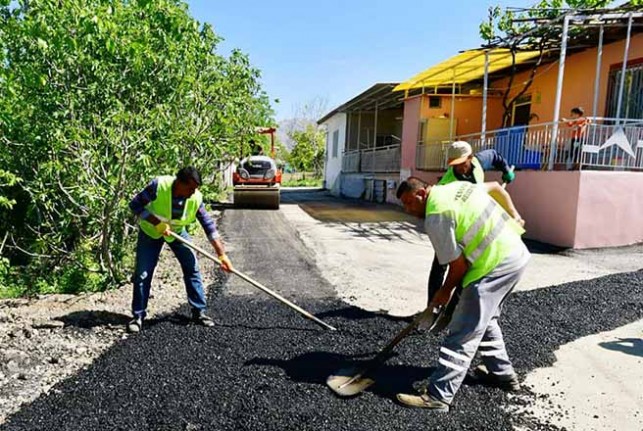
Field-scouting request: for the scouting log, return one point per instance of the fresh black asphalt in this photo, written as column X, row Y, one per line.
column 263, row 366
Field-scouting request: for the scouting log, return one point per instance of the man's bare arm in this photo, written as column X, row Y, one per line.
column 501, row 196
column 457, row 269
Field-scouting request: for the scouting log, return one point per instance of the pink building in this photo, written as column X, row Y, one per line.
column 594, row 200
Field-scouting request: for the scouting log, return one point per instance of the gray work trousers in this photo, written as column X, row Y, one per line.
column 474, row 327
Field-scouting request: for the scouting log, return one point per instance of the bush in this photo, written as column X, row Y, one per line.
column 97, row 98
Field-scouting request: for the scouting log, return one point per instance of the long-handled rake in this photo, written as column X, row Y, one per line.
column 255, row 283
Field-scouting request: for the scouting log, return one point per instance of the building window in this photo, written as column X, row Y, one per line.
column 632, row 103
column 435, row 102
column 521, row 111
column 335, row 143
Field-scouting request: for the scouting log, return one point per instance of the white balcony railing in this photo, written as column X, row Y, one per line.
column 351, row 161
column 373, row 160
column 606, row 144
column 382, row 159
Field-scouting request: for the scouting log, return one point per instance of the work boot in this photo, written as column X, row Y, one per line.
column 507, row 383
column 424, row 401
column 201, row 318
column 135, row 325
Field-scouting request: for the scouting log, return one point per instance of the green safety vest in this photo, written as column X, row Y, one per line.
column 161, row 207
column 483, row 229
column 478, row 174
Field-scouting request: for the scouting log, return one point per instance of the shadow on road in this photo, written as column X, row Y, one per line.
column 630, row 346
column 315, row 367
column 93, row 318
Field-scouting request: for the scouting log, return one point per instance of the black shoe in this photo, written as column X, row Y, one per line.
column 201, row 318
column 507, row 383
column 135, row 325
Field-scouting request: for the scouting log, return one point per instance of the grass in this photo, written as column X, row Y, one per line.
column 301, row 179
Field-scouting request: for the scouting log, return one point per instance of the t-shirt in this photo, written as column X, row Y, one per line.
column 578, row 126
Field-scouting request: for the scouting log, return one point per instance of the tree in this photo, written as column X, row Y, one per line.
column 526, row 30
column 97, row 97
column 308, row 153
column 305, row 138
column 303, row 115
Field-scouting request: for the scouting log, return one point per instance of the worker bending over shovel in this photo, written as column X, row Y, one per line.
column 480, row 241
column 167, row 204
column 469, row 167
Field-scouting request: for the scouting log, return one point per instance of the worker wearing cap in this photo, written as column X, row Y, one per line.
column 476, row 230
column 170, row 204
column 465, row 166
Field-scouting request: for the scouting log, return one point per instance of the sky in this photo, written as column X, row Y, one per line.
column 332, row 50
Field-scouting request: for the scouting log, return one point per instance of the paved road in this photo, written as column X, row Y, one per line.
column 263, row 367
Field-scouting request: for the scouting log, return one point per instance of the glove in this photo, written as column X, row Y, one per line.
column 508, row 177
column 226, row 264
column 162, row 228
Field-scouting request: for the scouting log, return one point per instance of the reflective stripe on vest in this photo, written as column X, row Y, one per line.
column 483, row 230
column 489, row 238
column 482, row 219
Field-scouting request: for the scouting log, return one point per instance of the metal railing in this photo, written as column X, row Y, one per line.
column 431, row 156
column 373, row 160
column 382, row 159
column 606, row 143
column 351, row 161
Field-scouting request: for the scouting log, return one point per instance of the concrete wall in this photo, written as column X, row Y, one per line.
column 333, row 165
column 610, row 208
column 587, row 209
column 467, row 112
column 548, row 202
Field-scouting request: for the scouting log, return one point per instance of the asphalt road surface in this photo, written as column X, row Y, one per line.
column 263, row 366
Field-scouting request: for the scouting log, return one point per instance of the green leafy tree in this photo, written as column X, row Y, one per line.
column 526, row 29
column 308, row 153
column 7, row 180
column 96, row 98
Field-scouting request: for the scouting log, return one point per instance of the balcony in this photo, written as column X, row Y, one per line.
column 372, row 160
column 607, row 144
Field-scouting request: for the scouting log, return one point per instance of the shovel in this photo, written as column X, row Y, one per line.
column 348, row 382
column 255, row 283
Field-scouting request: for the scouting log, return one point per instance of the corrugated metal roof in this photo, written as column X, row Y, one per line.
column 465, row 67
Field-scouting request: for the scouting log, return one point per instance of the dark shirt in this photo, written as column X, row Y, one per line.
column 148, row 194
column 489, row 159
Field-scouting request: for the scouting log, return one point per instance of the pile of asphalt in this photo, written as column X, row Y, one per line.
column 263, row 367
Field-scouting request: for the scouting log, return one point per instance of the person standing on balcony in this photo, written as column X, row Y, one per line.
column 465, row 166
column 578, row 124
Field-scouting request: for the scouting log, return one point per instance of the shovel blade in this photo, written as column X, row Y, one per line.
column 347, row 382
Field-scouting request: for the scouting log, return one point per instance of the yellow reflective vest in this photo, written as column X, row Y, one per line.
column 478, row 174
column 484, row 231
column 161, row 207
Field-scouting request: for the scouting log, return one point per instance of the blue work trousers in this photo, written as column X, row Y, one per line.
column 147, row 256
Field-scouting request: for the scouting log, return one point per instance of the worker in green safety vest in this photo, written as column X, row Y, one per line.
column 171, row 203
column 476, row 230
column 465, row 166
